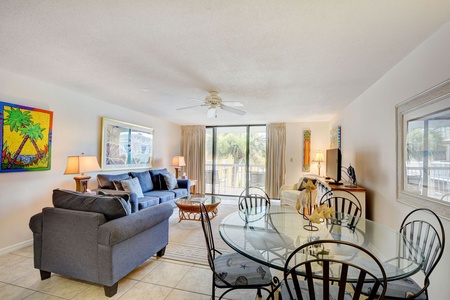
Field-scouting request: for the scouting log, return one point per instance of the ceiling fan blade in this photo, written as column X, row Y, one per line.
column 211, row 112
column 181, row 108
column 232, row 103
column 233, row 110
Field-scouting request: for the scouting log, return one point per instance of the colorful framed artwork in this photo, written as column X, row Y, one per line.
column 126, row 145
column 335, row 137
column 26, row 138
column 306, row 150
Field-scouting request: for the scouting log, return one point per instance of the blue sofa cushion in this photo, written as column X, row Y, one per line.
column 105, row 181
column 158, row 180
column 144, row 179
column 110, row 207
column 164, row 196
column 179, row 192
column 147, row 201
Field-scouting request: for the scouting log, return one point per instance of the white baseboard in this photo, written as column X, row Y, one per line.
column 16, row 247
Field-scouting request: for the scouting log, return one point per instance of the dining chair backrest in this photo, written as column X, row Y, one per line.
column 318, row 263
column 346, row 203
column 209, row 238
column 426, row 237
column 253, row 199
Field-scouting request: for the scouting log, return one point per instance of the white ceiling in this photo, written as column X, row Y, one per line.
column 286, row 61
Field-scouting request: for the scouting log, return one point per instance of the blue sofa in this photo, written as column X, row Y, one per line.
column 154, row 186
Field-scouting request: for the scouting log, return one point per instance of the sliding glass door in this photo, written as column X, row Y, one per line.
column 235, row 158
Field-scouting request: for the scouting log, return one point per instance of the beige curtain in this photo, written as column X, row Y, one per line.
column 275, row 160
column 193, row 150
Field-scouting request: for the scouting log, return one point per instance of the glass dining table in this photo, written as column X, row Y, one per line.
column 271, row 234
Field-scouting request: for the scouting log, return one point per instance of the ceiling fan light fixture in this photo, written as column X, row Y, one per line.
column 212, row 112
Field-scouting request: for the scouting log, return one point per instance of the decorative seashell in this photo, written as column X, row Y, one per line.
column 241, row 280
column 229, row 262
column 261, row 272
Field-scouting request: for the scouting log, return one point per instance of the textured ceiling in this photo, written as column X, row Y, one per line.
column 286, row 61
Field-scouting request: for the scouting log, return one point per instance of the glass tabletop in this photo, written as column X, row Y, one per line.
column 270, row 235
column 197, row 199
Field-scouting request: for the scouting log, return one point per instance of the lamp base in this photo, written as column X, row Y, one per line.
column 81, row 183
column 177, row 172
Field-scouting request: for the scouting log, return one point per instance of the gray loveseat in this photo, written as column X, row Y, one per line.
column 97, row 238
column 154, row 184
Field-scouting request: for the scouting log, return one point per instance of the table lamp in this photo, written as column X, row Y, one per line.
column 178, row 162
column 318, row 159
column 80, row 165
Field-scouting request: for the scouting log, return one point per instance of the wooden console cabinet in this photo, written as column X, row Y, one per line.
column 358, row 191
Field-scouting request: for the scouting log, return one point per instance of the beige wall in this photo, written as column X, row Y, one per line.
column 368, row 139
column 76, row 129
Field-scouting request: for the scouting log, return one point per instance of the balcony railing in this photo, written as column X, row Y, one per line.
column 230, row 179
column 433, row 182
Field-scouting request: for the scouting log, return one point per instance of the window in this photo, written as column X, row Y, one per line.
column 423, row 150
column 235, row 158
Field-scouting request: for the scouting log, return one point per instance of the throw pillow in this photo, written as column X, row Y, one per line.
column 144, row 180
column 118, row 184
column 170, row 180
column 302, row 184
column 132, row 186
column 105, row 181
column 158, row 179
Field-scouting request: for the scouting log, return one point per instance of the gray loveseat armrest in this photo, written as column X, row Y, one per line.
column 118, row 230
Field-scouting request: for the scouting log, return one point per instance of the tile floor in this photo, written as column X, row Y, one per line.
column 157, row 278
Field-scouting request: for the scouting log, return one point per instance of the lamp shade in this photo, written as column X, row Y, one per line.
column 81, row 164
column 178, row 161
column 319, row 157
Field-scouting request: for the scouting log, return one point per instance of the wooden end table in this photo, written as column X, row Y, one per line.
column 189, row 209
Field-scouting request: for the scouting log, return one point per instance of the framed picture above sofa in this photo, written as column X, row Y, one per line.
column 126, row 145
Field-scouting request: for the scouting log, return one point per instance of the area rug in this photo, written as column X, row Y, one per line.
column 186, row 239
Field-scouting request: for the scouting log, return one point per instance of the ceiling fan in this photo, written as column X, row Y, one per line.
column 213, row 101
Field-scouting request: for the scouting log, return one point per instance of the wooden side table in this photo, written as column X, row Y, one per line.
column 193, row 186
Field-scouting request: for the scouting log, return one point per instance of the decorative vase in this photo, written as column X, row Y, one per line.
column 306, row 211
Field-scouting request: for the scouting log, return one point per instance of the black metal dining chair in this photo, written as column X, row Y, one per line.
column 253, row 199
column 347, row 205
column 311, row 270
column 431, row 241
column 233, row 271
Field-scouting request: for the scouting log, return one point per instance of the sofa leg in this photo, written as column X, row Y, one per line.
column 161, row 252
column 111, row 290
column 45, row 274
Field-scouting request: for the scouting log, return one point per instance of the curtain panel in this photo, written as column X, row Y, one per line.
column 276, row 158
column 193, row 150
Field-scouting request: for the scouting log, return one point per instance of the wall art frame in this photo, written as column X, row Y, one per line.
column 429, row 106
column 335, row 137
column 126, row 145
column 26, row 138
column 306, row 151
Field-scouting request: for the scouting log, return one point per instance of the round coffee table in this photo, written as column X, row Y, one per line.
column 189, row 209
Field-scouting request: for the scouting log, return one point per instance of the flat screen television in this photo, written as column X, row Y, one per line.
column 334, row 164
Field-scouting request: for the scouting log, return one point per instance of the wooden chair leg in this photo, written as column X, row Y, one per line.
column 161, row 252
column 111, row 290
column 45, row 274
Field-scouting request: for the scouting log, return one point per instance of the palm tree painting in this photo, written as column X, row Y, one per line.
column 25, row 137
